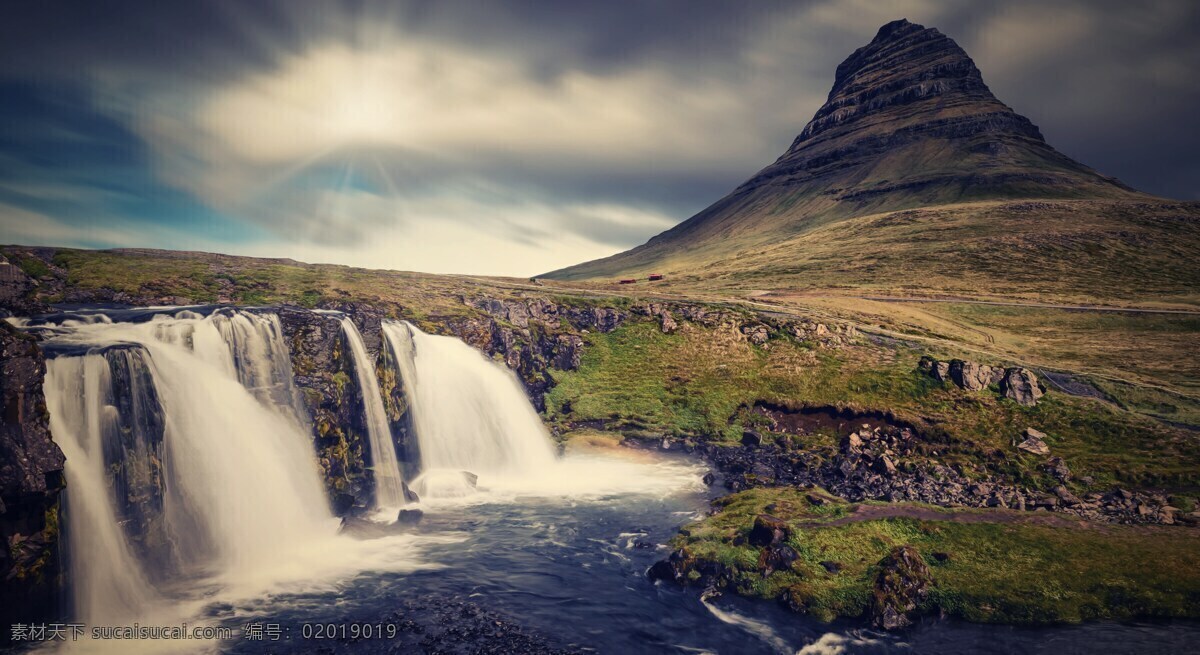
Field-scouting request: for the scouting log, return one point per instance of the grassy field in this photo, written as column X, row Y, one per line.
column 1132, row 357
column 992, row 565
column 1067, row 251
column 209, row 278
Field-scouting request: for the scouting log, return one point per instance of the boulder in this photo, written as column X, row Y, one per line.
column 1021, row 385
column 779, row 557
column 900, row 587
column 1034, row 442
column 1058, row 468
column 768, row 531
column 973, row 376
column 757, row 334
column 410, row 496
column 409, row 516
column 751, row 438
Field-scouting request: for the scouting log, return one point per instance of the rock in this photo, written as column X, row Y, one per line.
column 777, row 558
column 471, row 478
column 900, row 587
column 16, row 290
column 1058, row 468
column 758, row 334
column 831, row 567
column 768, row 531
column 662, row 570
column 409, row 516
column 708, row 479
column 667, row 322
column 1034, row 442
column 342, row 503
column 941, row 557
column 972, row 376
column 885, row 466
column 410, row 496
column 568, row 350
column 1021, row 385
column 31, row 479
column 1065, row 496
column 941, row 371
column 851, row 443
column 751, row 438
column 815, row 500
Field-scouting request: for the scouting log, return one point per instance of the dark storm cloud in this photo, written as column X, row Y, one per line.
column 658, row 108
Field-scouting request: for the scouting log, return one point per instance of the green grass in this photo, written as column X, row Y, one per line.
column 1024, row 573
column 698, row 382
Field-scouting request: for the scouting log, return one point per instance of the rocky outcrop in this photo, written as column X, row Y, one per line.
column 17, row 291
column 1016, row 383
column 889, row 462
column 31, row 479
column 900, row 588
column 532, row 335
column 323, row 371
column 1021, row 386
column 974, row 377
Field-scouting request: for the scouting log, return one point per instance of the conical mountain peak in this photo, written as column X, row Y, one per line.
column 909, row 122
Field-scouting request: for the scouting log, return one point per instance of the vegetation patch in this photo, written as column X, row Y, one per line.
column 991, row 566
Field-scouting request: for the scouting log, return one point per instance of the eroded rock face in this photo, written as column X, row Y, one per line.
column 323, row 371
column 31, row 479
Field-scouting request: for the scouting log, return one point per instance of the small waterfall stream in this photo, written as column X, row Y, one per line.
column 469, row 413
column 389, row 491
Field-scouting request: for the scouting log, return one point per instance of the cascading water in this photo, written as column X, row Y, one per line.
column 236, row 478
column 389, row 490
column 469, row 413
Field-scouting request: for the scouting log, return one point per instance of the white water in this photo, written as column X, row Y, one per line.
column 108, row 583
column 469, row 414
column 243, row 506
column 388, row 490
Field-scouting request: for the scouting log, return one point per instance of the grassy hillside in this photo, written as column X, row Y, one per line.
column 1084, row 251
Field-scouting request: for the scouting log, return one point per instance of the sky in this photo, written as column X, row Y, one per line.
column 507, row 137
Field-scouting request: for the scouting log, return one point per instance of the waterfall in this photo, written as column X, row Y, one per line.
column 469, row 413
column 108, row 584
column 225, row 470
column 388, row 488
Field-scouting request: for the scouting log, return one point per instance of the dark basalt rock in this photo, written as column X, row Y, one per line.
column 884, row 463
column 777, row 558
column 31, row 479
column 409, row 516
column 410, row 496
column 768, row 531
column 323, row 371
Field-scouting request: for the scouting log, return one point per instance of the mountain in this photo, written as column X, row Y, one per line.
column 909, row 125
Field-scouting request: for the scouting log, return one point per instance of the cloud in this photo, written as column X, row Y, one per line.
column 528, row 134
